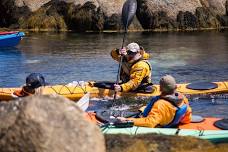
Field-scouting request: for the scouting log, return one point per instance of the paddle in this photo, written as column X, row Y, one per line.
column 128, row 13
column 83, row 103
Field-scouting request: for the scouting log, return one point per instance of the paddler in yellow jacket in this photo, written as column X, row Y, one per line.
column 135, row 74
column 167, row 110
column 34, row 84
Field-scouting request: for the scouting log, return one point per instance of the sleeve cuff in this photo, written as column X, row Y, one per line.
column 118, row 51
column 121, row 89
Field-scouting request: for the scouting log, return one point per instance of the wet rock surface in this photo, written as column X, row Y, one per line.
column 100, row 15
column 159, row 143
column 47, row 123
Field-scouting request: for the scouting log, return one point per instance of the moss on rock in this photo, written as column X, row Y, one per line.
column 41, row 20
column 159, row 143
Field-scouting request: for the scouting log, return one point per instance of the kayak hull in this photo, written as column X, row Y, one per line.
column 76, row 91
column 204, row 129
column 216, row 136
column 10, row 39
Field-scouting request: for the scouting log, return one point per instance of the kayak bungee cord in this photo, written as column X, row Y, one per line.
column 70, row 91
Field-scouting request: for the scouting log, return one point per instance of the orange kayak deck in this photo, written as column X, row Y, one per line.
column 206, row 124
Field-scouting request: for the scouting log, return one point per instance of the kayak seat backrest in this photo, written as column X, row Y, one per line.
column 202, row 86
column 222, row 124
column 178, row 116
column 104, row 85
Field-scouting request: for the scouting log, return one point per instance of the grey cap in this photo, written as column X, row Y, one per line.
column 133, row 47
column 168, row 84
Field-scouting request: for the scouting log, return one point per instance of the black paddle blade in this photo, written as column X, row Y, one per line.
column 128, row 12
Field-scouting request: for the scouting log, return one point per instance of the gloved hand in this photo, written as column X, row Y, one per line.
column 117, row 88
column 123, row 51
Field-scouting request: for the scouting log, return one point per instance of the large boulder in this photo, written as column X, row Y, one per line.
column 224, row 18
column 81, row 16
column 186, row 20
column 96, row 15
column 47, row 123
column 226, row 7
column 207, row 18
column 171, row 7
column 176, row 14
column 33, row 5
column 165, row 14
column 10, row 13
column 218, row 6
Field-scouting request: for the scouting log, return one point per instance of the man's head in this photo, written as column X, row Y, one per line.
column 167, row 84
column 35, row 80
column 133, row 51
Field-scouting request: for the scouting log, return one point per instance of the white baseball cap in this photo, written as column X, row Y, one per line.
column 133, row 47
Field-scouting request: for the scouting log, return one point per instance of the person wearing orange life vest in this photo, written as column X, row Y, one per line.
column 135, row 74
column 34, row 83
column 167, row 110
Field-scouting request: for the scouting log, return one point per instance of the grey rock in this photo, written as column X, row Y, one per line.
column 33, row 5
column 47, row 123
column 224, row 21
column 218, row 6
column 186, row 20
column 226, row 5
column 171, row 7
column 207, row 18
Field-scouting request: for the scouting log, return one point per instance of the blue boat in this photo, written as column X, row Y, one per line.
column 10, row 39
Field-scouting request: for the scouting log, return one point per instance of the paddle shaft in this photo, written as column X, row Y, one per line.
column 128, row 13
column 120, row 65
column 121, row 59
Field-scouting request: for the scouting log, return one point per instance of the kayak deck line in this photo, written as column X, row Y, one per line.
column 77, row 90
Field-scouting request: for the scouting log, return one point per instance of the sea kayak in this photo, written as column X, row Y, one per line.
column 10, row 39
column 205, row 128
column 76, row 90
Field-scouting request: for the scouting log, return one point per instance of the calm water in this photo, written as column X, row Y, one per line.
column 65, row 57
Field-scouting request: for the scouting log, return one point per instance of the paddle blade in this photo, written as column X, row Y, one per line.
column 83, row 103
column 128, row 12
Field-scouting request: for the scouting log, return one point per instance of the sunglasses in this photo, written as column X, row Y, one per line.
column 129, row 52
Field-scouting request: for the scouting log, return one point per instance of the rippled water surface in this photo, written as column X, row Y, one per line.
column 65, row 57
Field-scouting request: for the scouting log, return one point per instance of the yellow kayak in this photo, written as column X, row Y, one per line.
column 75, row 91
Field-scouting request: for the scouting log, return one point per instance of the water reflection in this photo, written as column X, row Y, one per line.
column 11, row 63
column 65, row 57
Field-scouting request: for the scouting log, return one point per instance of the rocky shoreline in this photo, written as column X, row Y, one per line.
column 105, row 15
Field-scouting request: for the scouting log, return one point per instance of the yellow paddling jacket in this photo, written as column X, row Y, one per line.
column 133, row 75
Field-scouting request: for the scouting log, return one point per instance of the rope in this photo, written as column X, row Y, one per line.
column 71, row 91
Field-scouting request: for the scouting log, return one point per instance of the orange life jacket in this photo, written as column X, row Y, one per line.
column 23, row 92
